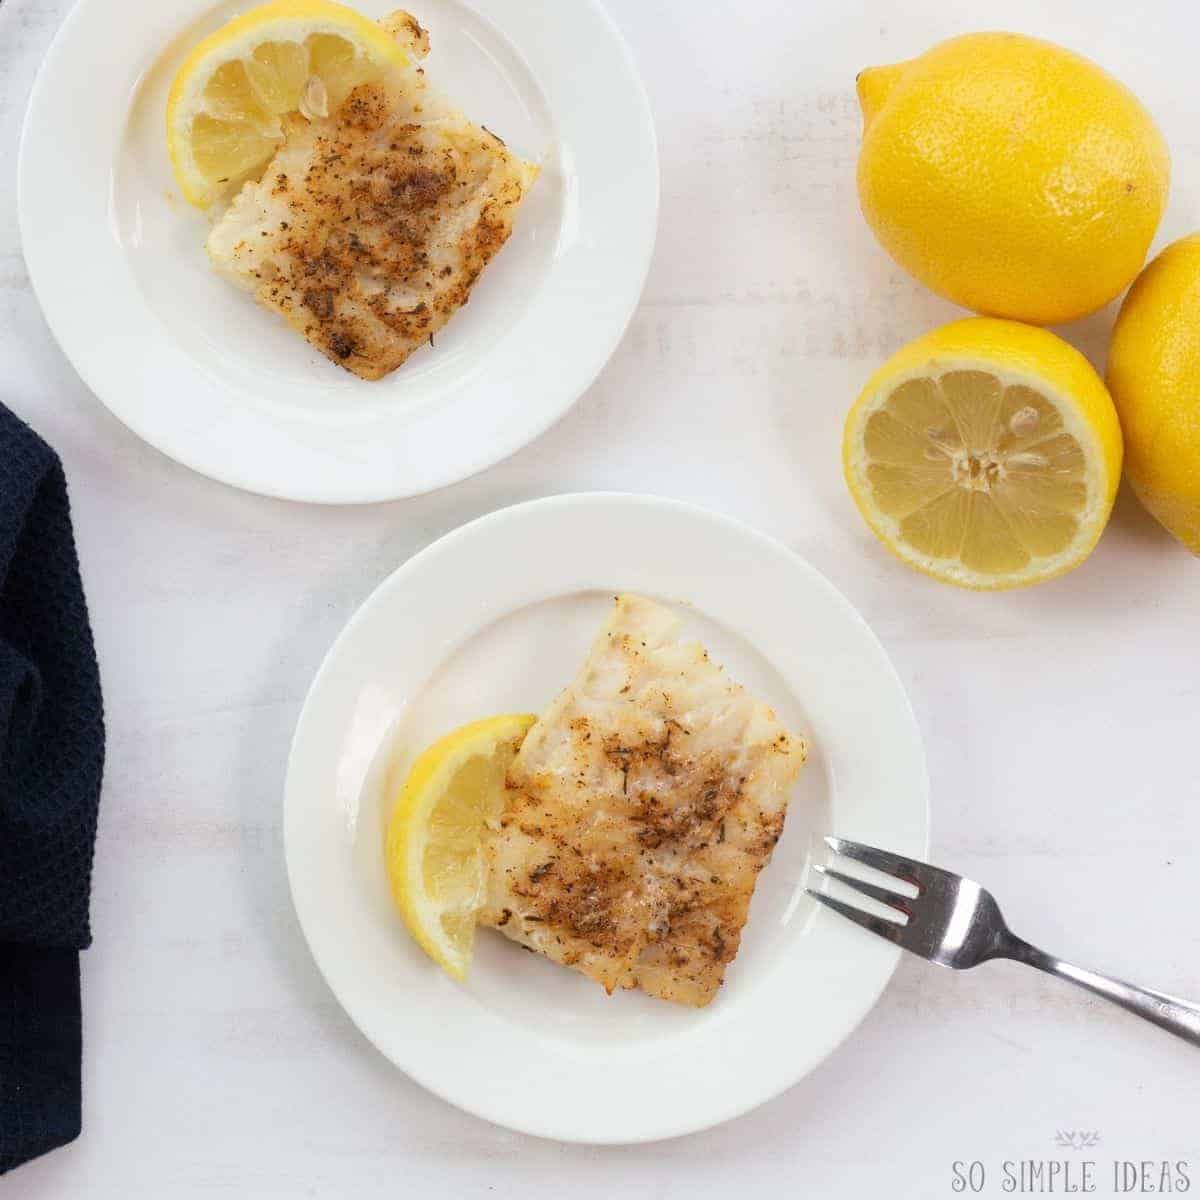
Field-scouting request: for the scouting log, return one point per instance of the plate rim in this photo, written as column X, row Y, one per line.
column 350, row 492
column 885, row 952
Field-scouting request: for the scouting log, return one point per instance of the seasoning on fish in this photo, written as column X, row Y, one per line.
column 372, row 223
column 640, row 809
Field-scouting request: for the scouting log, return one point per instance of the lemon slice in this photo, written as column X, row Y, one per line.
column 227, row 102
column 435, row 836
column 986, row 454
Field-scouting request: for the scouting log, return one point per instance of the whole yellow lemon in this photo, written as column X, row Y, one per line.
column 1010, row 175
column 1154, row 376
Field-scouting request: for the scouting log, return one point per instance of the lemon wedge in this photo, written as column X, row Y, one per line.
column 434, row 849
column 986, row 454
column 227, row 102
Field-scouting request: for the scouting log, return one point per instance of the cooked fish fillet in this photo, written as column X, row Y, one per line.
column 641, row 807
column 370, row 226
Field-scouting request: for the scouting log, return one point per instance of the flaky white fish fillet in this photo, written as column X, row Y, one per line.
column 370, row 226
column 641, row 807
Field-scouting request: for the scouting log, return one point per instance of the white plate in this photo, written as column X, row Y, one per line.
column 199, row 370
column 497, row 617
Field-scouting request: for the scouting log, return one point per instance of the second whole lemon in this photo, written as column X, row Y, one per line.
column 1154, row 376
column 1010, row 175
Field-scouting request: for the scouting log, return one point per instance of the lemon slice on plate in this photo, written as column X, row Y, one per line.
column 228, row 99
column 435, row 837
column 986, row 453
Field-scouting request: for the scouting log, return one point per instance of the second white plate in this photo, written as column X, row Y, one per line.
column 200, row 371
column 497, row 617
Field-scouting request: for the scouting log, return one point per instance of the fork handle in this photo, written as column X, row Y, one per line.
column 1176, row 1016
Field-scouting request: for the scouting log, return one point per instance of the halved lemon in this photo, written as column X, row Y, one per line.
column 435, row 856
column 986, row 454
column 227, row 101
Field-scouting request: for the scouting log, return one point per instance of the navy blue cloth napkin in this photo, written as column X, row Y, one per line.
column 51, row 762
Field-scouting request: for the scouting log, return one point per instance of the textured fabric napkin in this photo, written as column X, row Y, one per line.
column 51, row 761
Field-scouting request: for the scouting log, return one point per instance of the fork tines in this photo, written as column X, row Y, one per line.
column 901, row 870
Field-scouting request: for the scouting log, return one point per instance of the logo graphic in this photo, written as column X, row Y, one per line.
column 1076, row 1139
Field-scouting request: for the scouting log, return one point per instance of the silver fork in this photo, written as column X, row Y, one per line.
column 955, row 923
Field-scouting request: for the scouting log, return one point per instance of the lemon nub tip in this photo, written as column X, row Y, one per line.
column 873, row 85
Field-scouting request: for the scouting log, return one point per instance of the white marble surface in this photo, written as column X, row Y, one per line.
column 1060, row 722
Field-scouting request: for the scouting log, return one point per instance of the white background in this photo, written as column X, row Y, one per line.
column 1061, row 723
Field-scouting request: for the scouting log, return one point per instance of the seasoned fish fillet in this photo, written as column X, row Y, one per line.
column 370, row 225
column 641, row 808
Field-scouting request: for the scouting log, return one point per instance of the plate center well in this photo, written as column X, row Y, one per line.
column 253, row 351
column 519, row 663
